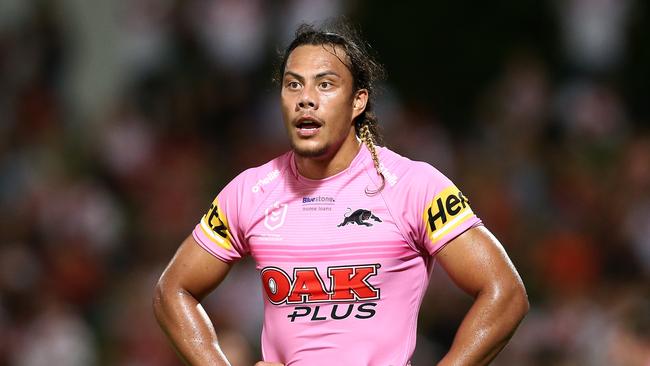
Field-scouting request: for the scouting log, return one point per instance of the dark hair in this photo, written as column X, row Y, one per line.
column 366, row 73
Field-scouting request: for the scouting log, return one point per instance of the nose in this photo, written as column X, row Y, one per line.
column 307, row 100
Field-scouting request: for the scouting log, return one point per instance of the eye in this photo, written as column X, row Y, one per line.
column 293, row 85
column 325, row 85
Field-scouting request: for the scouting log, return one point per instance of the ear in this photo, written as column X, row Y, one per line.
column 359, row 102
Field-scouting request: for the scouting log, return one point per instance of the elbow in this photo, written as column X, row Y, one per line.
column 160, row 301
column 168, row 299
column 518, row 301
column 524, row 306
column 511, row 299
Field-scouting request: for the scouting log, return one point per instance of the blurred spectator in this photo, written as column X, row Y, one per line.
column 594, row 32
column 55, row 336
column 233, row 31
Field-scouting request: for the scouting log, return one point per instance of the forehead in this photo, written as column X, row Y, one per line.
column 312, row 59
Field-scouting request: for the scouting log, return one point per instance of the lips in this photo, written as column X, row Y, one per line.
column 307, row 125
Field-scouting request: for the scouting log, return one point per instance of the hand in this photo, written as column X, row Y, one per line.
column 263, row 363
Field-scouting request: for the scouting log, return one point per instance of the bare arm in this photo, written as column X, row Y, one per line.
column 479, row 265
column 189, row 277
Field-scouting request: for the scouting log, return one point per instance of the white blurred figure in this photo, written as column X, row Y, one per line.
column 233, row 31
column 145, row 33
column 307, row 11
column 56, row 337
column 82, row 209
column 127, row 143
column 594, row 32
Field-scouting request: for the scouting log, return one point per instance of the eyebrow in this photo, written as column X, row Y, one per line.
column 327, row 73
column 319, row 75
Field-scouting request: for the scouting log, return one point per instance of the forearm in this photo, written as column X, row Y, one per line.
column 189, row 328
column 487, row 327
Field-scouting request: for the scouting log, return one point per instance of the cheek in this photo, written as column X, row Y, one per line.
column 341, row 111
column 286, row 107
column 337, row 104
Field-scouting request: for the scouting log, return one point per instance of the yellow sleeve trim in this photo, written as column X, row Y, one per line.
column 448, row 209
column 215, row 226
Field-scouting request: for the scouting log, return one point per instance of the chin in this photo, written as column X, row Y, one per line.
column 305, row 151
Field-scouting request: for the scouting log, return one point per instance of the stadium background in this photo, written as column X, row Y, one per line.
column 120, row 120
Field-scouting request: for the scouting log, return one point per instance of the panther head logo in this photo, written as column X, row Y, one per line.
column 359, row 217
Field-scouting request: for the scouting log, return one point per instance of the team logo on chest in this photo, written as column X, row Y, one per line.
column 275, row 215
column 359, row 217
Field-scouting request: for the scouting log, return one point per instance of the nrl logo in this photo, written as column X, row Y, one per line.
column 275, row 215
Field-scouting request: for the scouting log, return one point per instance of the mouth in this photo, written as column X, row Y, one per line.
column 307, row 126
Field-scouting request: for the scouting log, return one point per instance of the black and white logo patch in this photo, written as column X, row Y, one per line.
column 359, row 217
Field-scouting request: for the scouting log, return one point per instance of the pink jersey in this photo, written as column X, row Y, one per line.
column 343, row 272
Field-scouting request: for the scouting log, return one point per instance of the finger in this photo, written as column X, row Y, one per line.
column 263, row 363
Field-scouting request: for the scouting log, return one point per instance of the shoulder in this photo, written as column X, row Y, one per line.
column 260, row 179
column 402, row 172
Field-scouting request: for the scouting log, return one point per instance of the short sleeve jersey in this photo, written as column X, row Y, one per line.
column 343, row 272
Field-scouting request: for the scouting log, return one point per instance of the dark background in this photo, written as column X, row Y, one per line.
column 120, row 120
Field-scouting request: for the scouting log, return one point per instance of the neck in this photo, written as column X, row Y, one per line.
column 323, row 167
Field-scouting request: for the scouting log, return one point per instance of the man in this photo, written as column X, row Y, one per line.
column 345, row 235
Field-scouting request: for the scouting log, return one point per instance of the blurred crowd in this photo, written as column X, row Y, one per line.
column 120, row 120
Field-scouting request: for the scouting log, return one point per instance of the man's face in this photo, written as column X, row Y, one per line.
column 318, row 101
